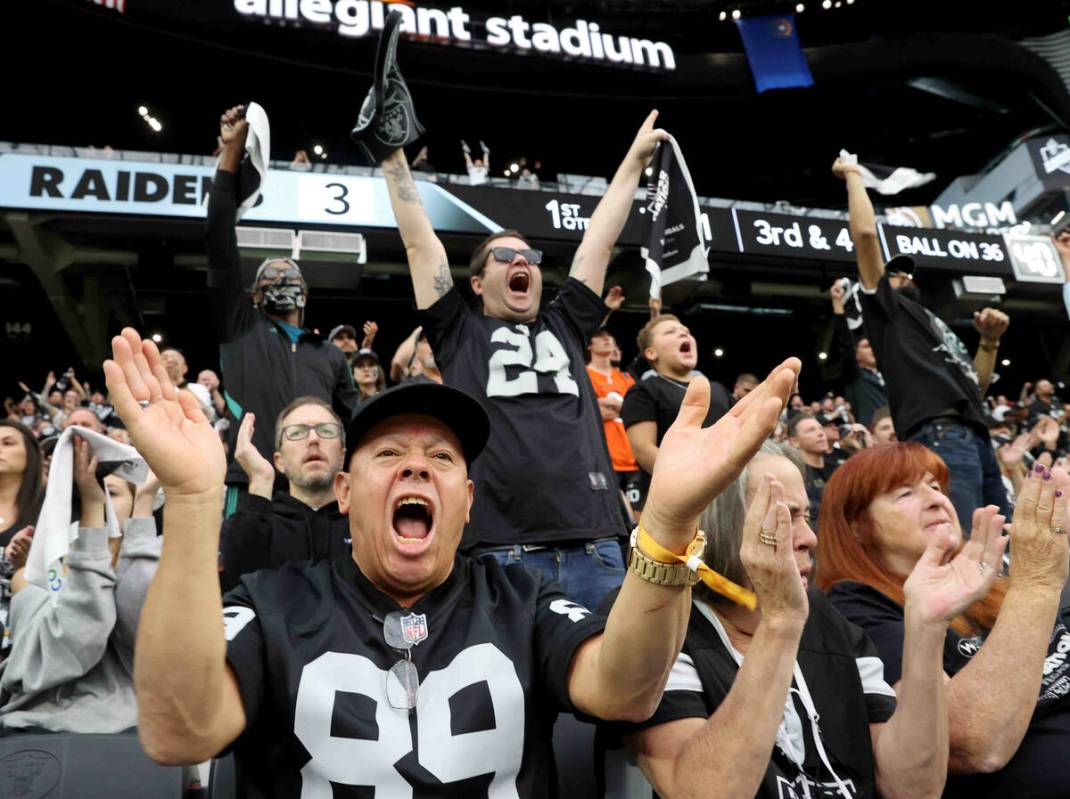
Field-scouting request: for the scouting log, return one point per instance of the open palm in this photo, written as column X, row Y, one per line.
column 940, row 588
column 694, row 463
column 170, row 432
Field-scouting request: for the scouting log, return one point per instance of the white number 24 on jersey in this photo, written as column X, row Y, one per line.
column 449, row 757
column 550, row 359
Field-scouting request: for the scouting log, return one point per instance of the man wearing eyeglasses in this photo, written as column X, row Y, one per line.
column 303, row 523
column 267, row 357
column 405, row 669
column 547, row 491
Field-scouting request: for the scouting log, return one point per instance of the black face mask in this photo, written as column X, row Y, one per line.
column 282, row 298
column 910, row 291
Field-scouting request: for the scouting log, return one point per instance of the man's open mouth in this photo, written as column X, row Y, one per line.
column 412, row 519
column 519, row 282
column 685, row 347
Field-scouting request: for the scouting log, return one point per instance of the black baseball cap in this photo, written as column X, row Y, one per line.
column 352, row 331
column 900, row 264
column 460, row 412
column 365, row 352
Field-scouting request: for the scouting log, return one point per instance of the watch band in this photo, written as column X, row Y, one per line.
column 659, row 573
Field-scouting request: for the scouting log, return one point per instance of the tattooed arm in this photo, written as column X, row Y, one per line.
column 428, row 265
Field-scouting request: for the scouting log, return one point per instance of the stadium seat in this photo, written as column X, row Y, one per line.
column 88, row 766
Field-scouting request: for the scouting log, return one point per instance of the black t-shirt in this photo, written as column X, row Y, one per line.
column 312, row 666
column 842, row 674
column 545, row 474
column 658, row 399
column 863, row 388
column 1040, row 768
column 815, row 483
column 927, row 370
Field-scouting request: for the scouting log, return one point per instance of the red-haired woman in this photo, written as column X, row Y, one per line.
column 1006, row 656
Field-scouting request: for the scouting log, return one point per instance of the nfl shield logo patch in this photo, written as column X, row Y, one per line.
column 414, row 628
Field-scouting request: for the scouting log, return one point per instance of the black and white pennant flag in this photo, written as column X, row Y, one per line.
column 677, row 242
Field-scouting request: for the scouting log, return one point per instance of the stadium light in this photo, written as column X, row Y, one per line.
column 143, row 111
column 718, row 353
column 822, row 356
column 317, row 149
column 722, row 16
column 800, row 8
column 736, row 14
column 157, row 337
column 1006, row 362
column 826, row 4
column 514, row 167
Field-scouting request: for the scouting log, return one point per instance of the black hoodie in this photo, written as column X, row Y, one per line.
column 265, row 534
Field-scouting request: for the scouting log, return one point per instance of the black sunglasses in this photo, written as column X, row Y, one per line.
column 506, row 255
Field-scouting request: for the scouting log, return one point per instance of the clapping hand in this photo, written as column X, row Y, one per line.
column 166, row 426
column 18, row 548
column 696, row 463
column 942, row 584
column 614, row 298
column 773, row 571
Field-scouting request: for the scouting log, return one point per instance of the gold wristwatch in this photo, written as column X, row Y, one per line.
column 658, row 573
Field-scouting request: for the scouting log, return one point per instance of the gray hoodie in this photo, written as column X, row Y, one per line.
column 71, row 663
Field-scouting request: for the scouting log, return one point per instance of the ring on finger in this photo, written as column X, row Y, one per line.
column 767, row 538
column 1059, row 530
column 982, row 567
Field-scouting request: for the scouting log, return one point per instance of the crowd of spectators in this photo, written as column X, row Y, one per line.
column 849, row 641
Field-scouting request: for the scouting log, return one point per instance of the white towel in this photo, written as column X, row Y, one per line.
column 54, row 532
column 902, row 177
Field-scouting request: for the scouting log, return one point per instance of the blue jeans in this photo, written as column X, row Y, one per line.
column 586, row 572
column 975, row 475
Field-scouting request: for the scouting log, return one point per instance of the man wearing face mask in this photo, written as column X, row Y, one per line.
column 934, row 388
column 267, row 358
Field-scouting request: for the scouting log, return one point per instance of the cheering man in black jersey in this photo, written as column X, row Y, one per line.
column 547, row 492
column 404, row 668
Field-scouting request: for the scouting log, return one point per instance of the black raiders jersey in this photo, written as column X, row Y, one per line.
column 492, row 652
column 545, row 474
column 844, row 681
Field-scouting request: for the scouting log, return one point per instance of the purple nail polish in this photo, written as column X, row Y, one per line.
column 1058, row 492
column 1040, row 468
column 1047, row 475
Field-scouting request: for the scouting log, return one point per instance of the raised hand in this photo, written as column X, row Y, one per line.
column 260, row 472
column 614, row 298
column 370, row 331
column 942, row 586
column 773, row 572
column 1040, row 556
column 18, row 548
column 233, row 128
column 90, row 491
column 1011, row 455
column 990, row 323
column 695, row 464
column 646, row 141
column 841, row 168
column 1047, row 432
column 169, row 431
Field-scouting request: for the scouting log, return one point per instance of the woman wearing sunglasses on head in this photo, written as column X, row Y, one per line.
column 1004, row 656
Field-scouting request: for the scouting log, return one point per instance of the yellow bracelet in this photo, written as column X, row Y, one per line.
column 646, row 543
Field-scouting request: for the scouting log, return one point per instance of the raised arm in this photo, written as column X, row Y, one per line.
column 991, row 324
column 596, row 249
column 621, row 674
column 911, row 749
column 428, row 265
column 863, row 224
column 399, row 364
column 189, row 706
column 731, row 748
column 986, row 726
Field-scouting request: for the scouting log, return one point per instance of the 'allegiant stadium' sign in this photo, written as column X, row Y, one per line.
column 357, row 18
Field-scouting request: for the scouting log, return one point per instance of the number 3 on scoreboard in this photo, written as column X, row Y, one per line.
column 550, row 360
